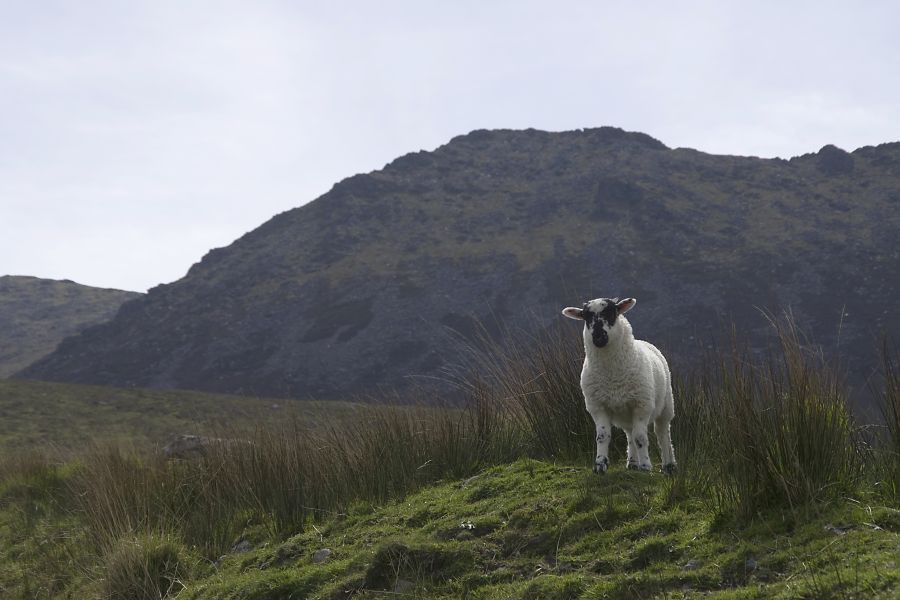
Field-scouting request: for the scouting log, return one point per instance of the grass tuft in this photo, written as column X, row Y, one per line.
column 145, row 568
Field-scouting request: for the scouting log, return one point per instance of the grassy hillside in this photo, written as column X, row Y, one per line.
column 37, row 314
column 68, row 417
column 779, row 493
column 529, row 529
column 534, row 529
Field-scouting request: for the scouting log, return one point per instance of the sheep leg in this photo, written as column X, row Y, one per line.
column 604, row 434
column 632, row 462
column 642, row 442
column 667, row 452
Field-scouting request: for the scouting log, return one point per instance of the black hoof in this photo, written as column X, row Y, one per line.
column 670, row 469
column 601, row 466
column 633, row 467
column 644, row 467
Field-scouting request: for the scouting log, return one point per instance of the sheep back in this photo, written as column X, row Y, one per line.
column 638, row 384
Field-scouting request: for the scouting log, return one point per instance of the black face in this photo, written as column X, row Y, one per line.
column 595, row 321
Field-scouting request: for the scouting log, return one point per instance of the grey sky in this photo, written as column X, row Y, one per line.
column 135, row 136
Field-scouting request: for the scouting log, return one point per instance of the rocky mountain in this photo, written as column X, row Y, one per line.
column 357, row 289
column 37, row 314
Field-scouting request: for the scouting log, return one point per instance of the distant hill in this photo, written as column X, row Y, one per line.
column 356, row 290
column 36, row 314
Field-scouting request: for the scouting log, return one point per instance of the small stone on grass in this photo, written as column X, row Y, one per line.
column 322, row 555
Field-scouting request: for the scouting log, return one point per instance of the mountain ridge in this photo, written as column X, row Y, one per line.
column 353, row 291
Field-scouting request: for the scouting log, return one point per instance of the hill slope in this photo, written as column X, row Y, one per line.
column 39, row 415
column 356, row 289
column 37, row 314
column 536, row 530
column 530, row 529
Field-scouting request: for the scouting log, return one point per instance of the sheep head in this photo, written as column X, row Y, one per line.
column 600, row 317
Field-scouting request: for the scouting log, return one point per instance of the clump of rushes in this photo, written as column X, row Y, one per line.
column 784, row 428
column 281, row 479
column 536, row 381
column 148, row 567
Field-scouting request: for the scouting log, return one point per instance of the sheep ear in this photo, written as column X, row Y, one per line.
column 573, row 313
column 625, row 305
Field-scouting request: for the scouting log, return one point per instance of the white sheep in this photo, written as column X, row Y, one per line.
column 626, row 383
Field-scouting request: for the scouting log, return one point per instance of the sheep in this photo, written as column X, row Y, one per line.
column 626, row 383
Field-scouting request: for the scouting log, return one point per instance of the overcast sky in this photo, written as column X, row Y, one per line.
column 135, row 136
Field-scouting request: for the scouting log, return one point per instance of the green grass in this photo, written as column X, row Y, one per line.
column 71, row 417
column 779, row 494
column 531, row 529
column 540, row 530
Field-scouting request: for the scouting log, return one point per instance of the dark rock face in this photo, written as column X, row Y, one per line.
column 356, row 290
column 37, row 314
column 834, row 161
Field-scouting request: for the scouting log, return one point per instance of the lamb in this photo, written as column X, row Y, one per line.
column 626, row 383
